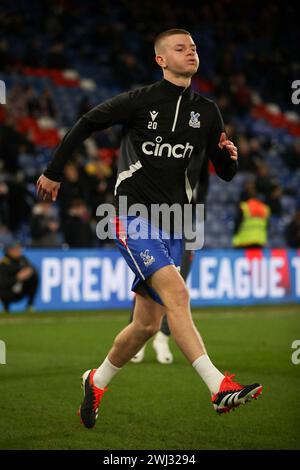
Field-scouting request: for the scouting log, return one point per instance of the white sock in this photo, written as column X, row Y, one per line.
column 105, row 373
column 161, row 337
column 208, row 372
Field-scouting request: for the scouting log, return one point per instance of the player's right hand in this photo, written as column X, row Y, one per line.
column 47, row 190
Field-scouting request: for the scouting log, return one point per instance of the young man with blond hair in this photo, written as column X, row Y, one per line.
column 168, row 132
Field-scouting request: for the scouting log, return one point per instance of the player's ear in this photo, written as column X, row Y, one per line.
column 161, row 61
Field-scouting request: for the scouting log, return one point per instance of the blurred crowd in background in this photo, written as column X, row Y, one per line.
column 60, row 58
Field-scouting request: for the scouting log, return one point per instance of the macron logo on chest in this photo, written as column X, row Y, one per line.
column 153, row 115
column 152, row 124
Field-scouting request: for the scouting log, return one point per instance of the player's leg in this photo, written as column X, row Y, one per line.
column 132, row 310
column 173, row 292
column 146, row 322
column 161, row 339
column 139, row 356
column 187, row 260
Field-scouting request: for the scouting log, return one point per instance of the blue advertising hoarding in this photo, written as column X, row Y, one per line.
column 100, row 278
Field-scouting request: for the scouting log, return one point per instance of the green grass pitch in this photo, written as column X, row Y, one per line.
column 148, row 405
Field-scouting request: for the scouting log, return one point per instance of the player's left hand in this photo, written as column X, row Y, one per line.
column 232, row 149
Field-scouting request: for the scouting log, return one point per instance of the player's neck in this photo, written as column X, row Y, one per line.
column 179, row 81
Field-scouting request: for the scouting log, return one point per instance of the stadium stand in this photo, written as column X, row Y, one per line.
column 60, row 58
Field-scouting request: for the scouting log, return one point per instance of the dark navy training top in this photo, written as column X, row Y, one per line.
column 168, row 133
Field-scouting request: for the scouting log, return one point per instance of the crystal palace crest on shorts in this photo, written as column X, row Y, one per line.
column 147, row 258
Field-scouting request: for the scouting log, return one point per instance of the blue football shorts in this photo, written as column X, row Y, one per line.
column 146, row 249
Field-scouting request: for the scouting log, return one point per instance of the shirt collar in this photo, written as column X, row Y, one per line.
column 174, row 89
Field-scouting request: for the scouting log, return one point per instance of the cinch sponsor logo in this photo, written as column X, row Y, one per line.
column 158, row 149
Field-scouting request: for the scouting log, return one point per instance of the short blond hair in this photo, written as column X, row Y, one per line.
column 169, row 32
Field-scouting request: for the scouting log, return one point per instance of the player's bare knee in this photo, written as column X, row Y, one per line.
column 147, row 330
column 178, row 299
column 152, row 329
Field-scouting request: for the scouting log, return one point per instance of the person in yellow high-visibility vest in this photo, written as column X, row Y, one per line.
column 251, row 230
